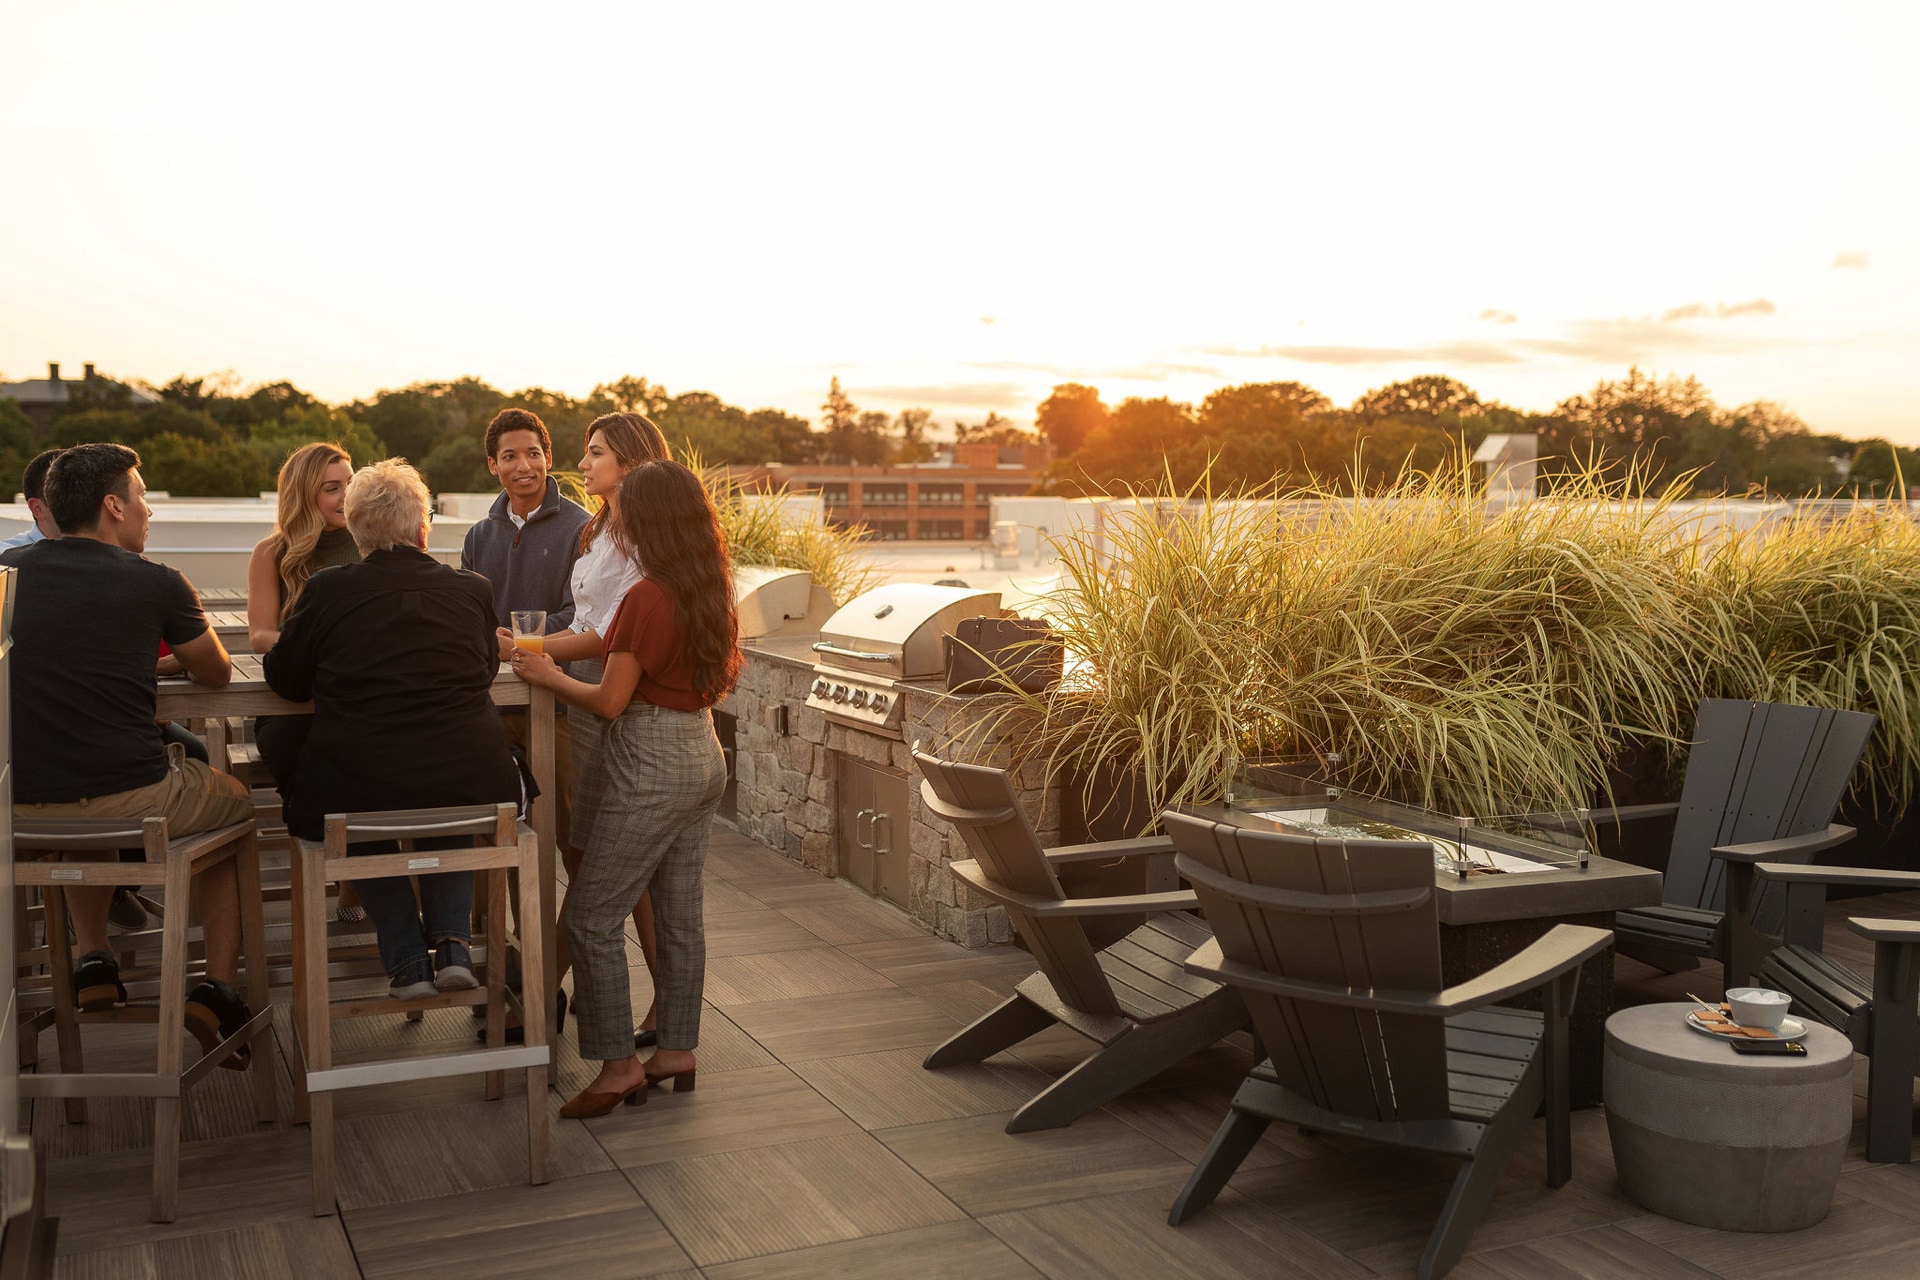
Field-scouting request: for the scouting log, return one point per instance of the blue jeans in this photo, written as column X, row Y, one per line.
column 188, row 740
column 444, row 909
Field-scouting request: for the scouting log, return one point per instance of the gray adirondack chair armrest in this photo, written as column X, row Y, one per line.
column 1625, row 813
column 1885, row 930
column 1051, row 908
column 1855, row 877
column 1807, row 893
column 1145, row 847
column 1762, row 850
column 1563, row 948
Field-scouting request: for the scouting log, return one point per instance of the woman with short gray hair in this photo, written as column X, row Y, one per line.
column 397, row 655
column 388, row 506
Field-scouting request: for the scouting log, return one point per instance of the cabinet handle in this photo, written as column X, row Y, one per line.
column 858, row 818
column 877, row 816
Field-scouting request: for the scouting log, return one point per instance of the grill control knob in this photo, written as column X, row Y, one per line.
column 822, row 687
column 859, row 698
column 840, row 693
column 880, row 703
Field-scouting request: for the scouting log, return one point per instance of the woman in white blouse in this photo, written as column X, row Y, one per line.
column 605, row 571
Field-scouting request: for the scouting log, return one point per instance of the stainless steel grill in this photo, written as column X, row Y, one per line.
column 777, row 602
column 891, row 633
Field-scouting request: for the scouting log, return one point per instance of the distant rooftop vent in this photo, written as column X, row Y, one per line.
column 1512, row 463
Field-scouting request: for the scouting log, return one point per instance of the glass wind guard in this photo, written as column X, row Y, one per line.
column 1506, row 843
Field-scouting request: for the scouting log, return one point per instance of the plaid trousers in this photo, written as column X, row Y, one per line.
column 664, row 775
column 584, row 730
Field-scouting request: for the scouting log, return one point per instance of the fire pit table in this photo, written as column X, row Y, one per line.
column 1502, row 882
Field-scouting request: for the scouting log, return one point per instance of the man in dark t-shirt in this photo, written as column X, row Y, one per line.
column 90, row 613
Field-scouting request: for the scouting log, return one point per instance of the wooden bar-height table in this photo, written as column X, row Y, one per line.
column 248, row 695
column 1485, row 919
column 229, row 624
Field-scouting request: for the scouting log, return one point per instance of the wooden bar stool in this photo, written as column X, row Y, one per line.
column 88, row 853
column 512, row 847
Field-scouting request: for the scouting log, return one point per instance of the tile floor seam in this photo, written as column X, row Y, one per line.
column 347, row 1231
column 904, row 1231
column 1011, row 1247
column 628, row 1175
column 1066, row 1199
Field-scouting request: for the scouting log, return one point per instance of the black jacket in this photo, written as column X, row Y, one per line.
column 398, row 655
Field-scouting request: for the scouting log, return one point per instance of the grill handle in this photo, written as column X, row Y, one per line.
column 821, row 646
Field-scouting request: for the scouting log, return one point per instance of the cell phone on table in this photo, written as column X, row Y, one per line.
column 1790, row 1047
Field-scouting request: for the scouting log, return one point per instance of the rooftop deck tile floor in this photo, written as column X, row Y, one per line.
column 816, row 1145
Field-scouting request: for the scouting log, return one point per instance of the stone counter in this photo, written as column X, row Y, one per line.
column 785, row 769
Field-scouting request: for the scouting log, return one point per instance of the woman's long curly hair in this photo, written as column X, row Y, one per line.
column 633, row 439
column 298, row 524
column 668, row 520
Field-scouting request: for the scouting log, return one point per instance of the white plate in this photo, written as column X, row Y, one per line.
column 1790, row 1029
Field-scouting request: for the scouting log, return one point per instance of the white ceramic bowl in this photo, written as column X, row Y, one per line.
column 1758, row 1007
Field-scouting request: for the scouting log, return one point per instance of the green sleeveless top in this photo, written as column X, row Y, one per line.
column 335, row 547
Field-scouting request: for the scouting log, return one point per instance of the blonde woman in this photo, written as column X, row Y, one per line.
column 309, row 534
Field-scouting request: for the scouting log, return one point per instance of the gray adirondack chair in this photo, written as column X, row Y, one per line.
column 1879, row 1016
column 1763, row 782
column 1335, row 947
column 1134, row 997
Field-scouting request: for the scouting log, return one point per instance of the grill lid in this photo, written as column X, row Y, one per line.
column 896, row 630
column 769, row 601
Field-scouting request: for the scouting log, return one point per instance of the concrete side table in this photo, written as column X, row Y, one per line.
column 1704, row 1135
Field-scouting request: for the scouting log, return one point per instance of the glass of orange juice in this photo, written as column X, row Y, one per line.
column 530, row 630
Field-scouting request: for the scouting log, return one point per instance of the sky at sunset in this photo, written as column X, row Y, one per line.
column 958, row 207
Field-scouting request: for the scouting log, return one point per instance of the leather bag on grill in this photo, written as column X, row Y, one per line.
column 996, row 655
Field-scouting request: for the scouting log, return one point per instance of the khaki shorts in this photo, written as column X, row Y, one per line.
column 192, row 797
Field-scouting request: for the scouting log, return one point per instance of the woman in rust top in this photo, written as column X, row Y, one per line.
column 671, row 652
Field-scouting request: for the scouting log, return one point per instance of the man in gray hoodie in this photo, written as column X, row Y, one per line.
column 526, row 548
column 527, row 544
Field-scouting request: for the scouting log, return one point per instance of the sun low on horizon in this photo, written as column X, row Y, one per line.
column 960, row 209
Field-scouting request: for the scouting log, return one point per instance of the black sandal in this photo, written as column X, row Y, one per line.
column 517, row 1034
column 214, row 1012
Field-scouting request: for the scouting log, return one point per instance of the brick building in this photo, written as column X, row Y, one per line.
column 947, row 501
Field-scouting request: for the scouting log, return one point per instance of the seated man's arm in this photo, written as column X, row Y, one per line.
column 206, row 660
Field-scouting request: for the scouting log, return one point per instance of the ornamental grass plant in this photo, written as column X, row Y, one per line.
column 1411, row 644
column 760, row 533
column 1827, row 613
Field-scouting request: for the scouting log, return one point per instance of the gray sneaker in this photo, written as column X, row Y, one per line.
column 455, row 967
column 417, row 990
column 126, row 912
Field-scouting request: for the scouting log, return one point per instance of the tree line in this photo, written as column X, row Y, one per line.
column 1650, row 431
column 206, row 437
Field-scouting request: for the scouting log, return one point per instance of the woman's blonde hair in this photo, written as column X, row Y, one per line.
column 387, row 505
column 633, row 439
column 298, row 524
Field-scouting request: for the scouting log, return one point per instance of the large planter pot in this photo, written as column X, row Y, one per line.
column 1119, row 809
column 1122, row 815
